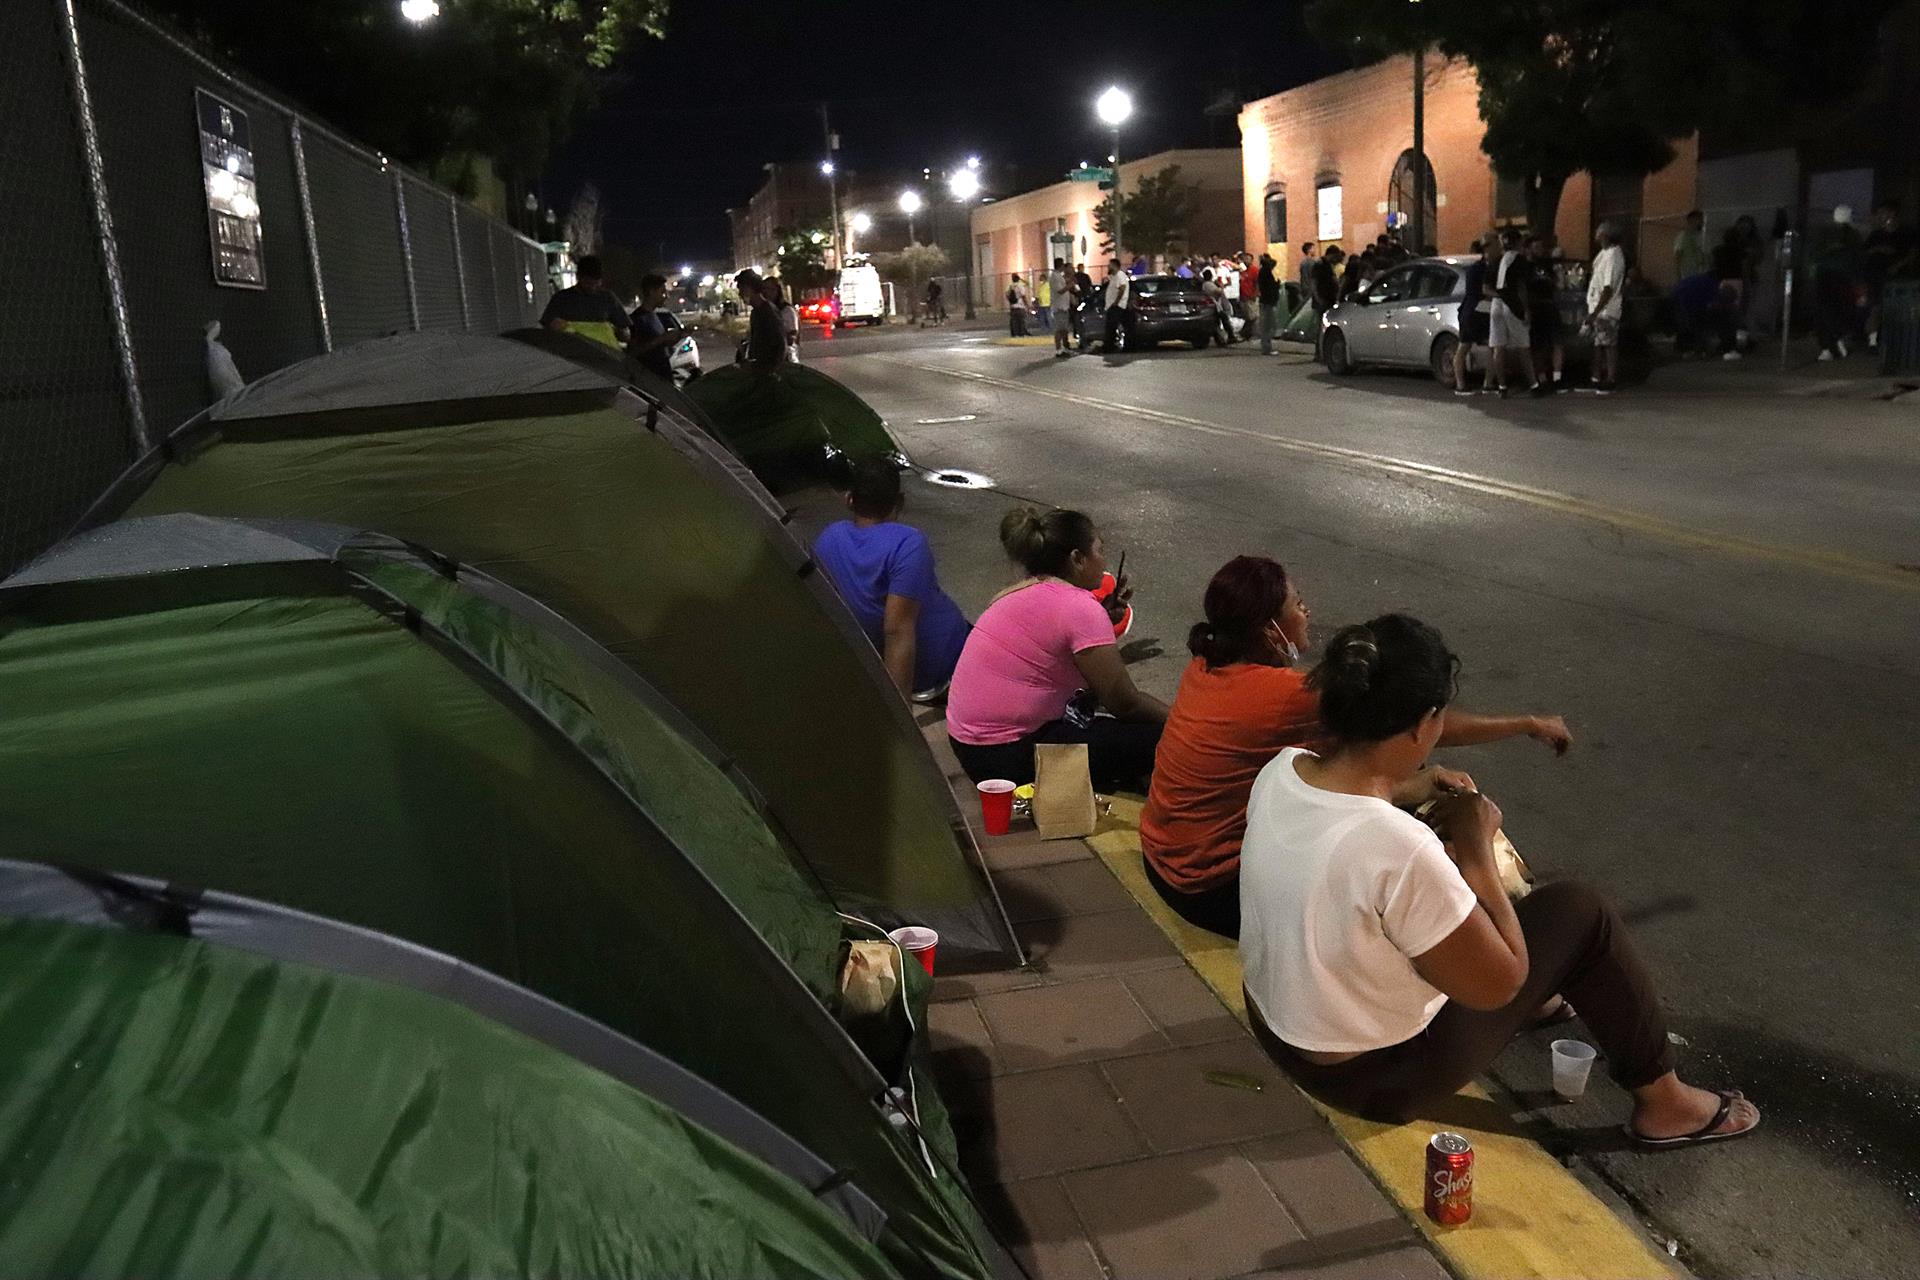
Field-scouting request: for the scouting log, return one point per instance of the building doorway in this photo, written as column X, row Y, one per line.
column 1400, row 201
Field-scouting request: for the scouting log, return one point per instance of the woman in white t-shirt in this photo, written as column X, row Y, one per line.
column 1385, row 966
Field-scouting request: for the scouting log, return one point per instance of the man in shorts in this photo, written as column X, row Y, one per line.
column 1512, row 340
column 1061, row 296
column 1475, row 309
column 1604, row 308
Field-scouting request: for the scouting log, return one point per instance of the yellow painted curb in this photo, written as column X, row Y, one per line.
column 1532, row 1219
column 1031, row 340
column 1837, row 564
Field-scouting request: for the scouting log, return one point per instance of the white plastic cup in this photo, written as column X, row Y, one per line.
column 1572, row 1060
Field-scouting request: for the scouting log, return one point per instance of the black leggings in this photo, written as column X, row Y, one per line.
column 1577, row 947
column 1119, row 753
column 1216, row 909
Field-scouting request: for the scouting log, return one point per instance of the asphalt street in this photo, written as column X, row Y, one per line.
column 1720, row 592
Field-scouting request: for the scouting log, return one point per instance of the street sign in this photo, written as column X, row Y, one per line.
column 1090, row 174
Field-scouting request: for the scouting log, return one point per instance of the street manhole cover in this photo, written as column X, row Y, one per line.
column 960, row 479
column 958, row 417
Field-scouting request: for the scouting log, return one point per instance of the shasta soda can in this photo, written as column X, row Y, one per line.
column 1449, row 1179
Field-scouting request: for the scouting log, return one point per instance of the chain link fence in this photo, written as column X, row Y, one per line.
column 108, row 226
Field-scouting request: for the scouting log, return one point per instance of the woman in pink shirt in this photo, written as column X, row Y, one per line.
column 1039, row 645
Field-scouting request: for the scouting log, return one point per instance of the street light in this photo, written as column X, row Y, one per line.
column 1114, row 107
column 964, row 184
column 685, row 270
column 910, row 204
column 419, row 12
column 862, row 223
column 826, row 168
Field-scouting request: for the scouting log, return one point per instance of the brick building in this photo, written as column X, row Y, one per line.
column 1332, row 161
column 794, row 196
column 1018, row 234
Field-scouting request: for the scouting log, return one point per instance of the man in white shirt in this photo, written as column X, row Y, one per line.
column 1605, row 306
column 1227, row 274
column 1061, row 299
column 1018, row 299
column 1119, row 302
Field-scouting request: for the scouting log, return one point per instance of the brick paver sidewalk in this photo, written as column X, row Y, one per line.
column 1116, row 1120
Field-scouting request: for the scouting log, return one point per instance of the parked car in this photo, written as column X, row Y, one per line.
column 683, row 357
column 1163, row 307
column 822, row 310
column 1410, row 318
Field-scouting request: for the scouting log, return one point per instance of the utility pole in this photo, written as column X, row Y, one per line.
column 1119, row 203
column 833, row 186
column 1419, row 151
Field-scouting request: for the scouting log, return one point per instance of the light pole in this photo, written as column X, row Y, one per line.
column 1420, row 150
column 1113, row 107
column 910, row 204
column 419, row 12
column 964, row 185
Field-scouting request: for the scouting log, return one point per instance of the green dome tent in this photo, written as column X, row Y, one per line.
column 349, row 727
column 638, row 528
column 209, row 1086
column 792, row 425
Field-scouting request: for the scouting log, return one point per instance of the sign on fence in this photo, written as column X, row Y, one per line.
column 233, row 206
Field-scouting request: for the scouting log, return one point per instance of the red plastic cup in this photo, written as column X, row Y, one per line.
column 919, row 942
column 996, row 805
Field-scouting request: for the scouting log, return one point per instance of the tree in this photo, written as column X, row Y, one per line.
column 802, row 257
column 586, row 220
column 910, row 266
column 1153, row 219
column 1607, row 86
column 505, row 79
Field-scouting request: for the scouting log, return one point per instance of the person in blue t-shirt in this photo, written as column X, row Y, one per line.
column 884, row 571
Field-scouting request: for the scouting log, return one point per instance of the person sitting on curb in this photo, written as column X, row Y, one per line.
column 1241, row 701
column 1038, row 646
column 1385, row 965
column 884, row 570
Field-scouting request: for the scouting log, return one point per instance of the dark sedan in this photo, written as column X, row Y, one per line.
column 1164, row 307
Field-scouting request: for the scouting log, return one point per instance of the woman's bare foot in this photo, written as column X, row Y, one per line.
column 1667, row 1108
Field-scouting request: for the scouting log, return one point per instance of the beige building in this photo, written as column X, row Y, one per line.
column 1025, row 233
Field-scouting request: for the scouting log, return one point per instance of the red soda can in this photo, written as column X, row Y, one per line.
column 1449, row 1179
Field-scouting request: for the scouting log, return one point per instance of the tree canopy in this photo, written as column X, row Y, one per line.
column 801, row 257
column 1153, row 219
column 505, row 79
column 1607, row 86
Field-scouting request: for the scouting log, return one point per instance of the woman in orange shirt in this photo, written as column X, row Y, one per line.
column 1241, row 702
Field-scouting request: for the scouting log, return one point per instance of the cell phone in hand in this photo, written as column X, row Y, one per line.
column 1120, row 574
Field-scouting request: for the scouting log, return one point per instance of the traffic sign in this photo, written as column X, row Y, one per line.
column 1091, row 174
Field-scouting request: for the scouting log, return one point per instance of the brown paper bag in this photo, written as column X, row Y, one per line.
column 1516, row 877
column 1062, row 791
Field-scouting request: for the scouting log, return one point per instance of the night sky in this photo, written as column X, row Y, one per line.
column 737, row 83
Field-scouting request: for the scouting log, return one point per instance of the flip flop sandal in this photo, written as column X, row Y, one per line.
column 1699, row 1137
column 1565, row 1013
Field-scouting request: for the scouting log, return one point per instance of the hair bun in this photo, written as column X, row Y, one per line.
column 1354, row 659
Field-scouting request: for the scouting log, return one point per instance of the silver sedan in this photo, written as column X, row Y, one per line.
column 1410, row 318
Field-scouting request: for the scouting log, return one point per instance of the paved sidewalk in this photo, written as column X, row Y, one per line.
column 1117, row 1120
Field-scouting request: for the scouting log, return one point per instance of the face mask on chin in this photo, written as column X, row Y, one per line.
column 1283, row 644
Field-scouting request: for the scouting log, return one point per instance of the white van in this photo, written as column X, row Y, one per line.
column 862, row 300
